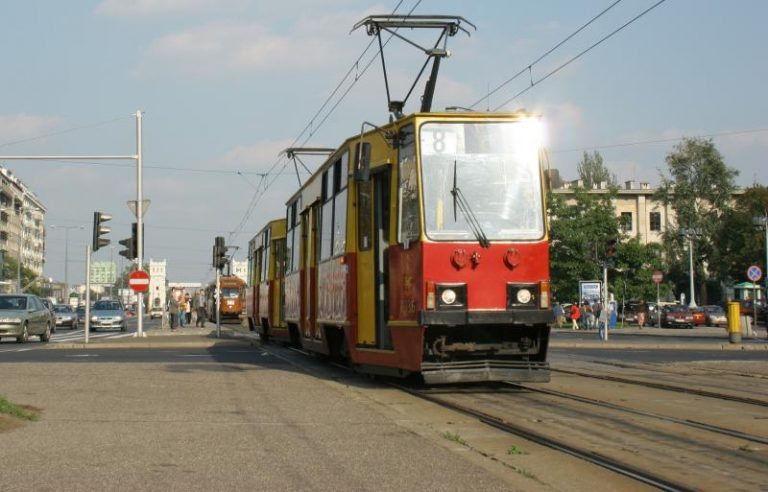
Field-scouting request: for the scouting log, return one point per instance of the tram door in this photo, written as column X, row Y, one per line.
column 309, row 282
column 372, row 268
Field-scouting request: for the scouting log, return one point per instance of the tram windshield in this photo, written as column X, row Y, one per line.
column 496, row 169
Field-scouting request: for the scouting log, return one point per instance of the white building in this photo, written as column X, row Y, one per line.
column 157, row 284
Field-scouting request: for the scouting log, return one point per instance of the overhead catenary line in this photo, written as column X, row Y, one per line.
column 67, row 130
column 528, row 67
column 573, row 59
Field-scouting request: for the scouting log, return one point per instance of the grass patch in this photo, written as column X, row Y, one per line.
column 515, row 450
column 18, row 411
column 455, row 437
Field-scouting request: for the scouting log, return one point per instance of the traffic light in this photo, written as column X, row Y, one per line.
column 131, row 250
column 610, row 248
column 219, row 253
column 98, row 230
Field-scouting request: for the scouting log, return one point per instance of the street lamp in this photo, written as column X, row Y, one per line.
column 66, row 256
column 690, row 234
column 762, row 222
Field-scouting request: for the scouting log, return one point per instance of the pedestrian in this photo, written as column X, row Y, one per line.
column 173, row 311
column 602, row 324
column 590, row 315
column 642, row 312
column 182, row 314
column 200, row 309
column 188, row 309
column 557, row 310
column 575, row 315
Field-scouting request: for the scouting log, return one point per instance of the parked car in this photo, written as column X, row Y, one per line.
column 699, row 316
column 715, row 315
column 629, row 314
column 676, row 316
column 108, row 314
column 66, row 316
column 24, row 315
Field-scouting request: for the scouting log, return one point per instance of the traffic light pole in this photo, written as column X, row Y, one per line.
column 218, row 303
column 139, row 223
column 87, row 325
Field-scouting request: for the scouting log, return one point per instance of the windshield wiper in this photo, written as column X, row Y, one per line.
column 463, row 205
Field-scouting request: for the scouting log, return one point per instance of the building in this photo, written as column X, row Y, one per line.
column 157, row 284
column 22, row 224
column 641, row 216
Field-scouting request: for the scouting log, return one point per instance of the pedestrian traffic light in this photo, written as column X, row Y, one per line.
column 98, row 230
column 131, row 250
column 219, row 253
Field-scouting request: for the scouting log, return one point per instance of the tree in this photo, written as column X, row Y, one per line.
column 592, row 171
column 10, row 274
column 699, row 190
column 740, row 243
column 579, row 232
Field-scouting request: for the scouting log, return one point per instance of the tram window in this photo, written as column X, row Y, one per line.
column 408, row 195
column 340, row 223
column 364, row 225
column 326, row 230
column 324, row 192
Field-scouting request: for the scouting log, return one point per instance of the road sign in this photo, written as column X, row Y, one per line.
column 657, row 276
column 139, row 281
column 754, row 273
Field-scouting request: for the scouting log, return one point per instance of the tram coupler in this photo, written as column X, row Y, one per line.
column 734, row 322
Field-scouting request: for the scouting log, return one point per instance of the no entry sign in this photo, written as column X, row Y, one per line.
column 139, row 281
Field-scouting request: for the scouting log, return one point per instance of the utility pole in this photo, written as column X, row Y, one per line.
column 689, row 234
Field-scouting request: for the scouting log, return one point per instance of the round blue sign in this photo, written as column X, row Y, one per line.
column 754, row 273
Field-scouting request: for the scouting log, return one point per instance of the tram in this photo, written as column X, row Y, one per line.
column 417, row 248
column 232, row 302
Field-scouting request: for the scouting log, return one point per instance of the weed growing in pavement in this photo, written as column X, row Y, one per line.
column 515, row 450
column 455, row 437
column 16, row 410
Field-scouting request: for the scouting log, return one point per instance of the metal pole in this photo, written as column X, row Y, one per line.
column 605, row 301
column 18, row 263
column 87, row 328
column 692, row 303
column 658, row 307
column 218, row 303
column 139, row 223
column 66, row 265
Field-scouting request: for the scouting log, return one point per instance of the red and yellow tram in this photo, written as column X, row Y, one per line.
column 419, row 247
column 232, row 303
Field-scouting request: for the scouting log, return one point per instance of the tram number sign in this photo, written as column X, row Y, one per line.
column 139, row 281
column 657, row 276
column 754, row 273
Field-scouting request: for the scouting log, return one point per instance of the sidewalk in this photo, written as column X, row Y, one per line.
column 633, row 337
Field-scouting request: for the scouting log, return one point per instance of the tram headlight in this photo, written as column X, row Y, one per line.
column 448, row 296
column 524, row 296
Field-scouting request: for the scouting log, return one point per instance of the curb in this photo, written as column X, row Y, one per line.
column 660, row 346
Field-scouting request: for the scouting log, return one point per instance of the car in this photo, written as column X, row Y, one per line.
column 699, row 316
column 629, row 314
column 24, row 315
column 80, row 312
column 66, row 316
column 715, row 315
column 47, row 303
column 108, row 314
column 676, row 316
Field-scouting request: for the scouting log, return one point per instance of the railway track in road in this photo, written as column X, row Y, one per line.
column 590, row 456
column 666, row 387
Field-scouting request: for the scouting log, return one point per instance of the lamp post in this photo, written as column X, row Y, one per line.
column 66, row 256
column 762, row 222
column 689, row 234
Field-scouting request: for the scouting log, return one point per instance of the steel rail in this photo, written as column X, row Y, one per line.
column 691, row 423
column 668, row 387
column 586, row 455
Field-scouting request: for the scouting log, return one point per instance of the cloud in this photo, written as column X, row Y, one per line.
column 19, row 127
column 141, row 8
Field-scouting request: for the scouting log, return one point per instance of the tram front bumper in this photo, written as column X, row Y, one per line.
column 464, row 317
column 484, row 371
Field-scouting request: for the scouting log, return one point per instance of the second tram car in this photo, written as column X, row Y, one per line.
column 232, row 302
column 419, row 247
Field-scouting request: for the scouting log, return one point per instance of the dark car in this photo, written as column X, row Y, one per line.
column 629, row 314
column 66, row 316
column 676, row 317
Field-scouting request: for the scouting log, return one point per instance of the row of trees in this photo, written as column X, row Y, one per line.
column 700, row 190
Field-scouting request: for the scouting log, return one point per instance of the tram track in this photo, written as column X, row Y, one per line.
column 597, row 459
column 666, row 387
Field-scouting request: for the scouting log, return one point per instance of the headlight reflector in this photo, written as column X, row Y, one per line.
column 523, row 296
column 448, row 296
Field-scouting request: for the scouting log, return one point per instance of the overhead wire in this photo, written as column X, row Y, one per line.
column 530, row 65
column 573, row 59
column 257, row 195
column 67, row 130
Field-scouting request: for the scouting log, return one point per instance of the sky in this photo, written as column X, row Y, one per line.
column 225, row 85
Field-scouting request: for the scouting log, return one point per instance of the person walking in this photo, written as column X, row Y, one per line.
column 182, row 314
column 575, row 315
column 173, row 311
column 557, row 310
column 642, row 312
column 200, row 309
column 188, row 309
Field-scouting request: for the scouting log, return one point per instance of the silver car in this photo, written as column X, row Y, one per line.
column 65, row 316
column 108, row 314
column 23, row 315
